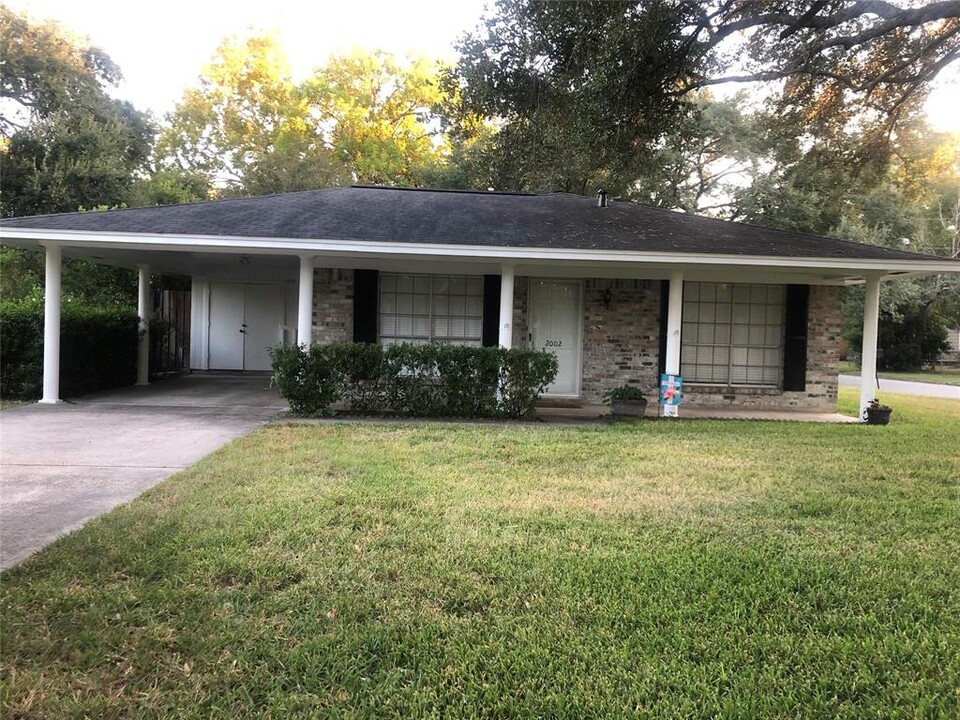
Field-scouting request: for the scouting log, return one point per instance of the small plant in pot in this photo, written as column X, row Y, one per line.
column 877, row 414
column 626, row 401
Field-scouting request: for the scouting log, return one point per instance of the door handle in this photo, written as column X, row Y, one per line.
column 242, row 331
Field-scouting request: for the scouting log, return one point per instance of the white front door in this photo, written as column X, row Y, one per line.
column 555, row 326
column 245, row 321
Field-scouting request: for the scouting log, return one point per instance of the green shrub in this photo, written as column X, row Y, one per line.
column 911, row 340
column 433, row 380
column 306, row 378
column 98, row 348
column 524, row 376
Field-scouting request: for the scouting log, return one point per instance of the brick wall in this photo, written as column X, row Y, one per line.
column 621, row 338
column 332, row 305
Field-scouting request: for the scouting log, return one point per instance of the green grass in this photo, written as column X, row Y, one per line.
column 942, row 375
column 655, row 569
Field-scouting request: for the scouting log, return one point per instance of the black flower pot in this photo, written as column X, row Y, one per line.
column 878, row 416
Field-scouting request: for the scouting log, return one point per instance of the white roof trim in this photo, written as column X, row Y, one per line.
column 225, row 243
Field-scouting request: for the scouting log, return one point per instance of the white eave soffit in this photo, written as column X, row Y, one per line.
column 343, row 248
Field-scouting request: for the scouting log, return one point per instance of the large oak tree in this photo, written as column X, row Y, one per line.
column 586, row 92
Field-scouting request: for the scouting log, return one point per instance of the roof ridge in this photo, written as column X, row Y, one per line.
column 464, row 191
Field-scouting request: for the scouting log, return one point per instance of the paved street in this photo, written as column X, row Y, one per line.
column 908, row 388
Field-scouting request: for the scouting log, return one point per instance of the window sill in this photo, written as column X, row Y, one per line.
column 708, row 388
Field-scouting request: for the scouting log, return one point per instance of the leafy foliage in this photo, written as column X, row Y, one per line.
column 578, row 88
column 591, row 93
column 433, row 380
column 98, row 348
column 246, row 125
column 249, row 127
column 67, row 144
column 378, row 113
column 82, row 281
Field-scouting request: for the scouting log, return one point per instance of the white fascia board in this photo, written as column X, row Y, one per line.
column 360, row 248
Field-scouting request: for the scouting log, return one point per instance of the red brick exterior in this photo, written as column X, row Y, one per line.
column 332, row 305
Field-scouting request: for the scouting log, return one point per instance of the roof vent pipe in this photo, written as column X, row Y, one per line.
column 601, row 198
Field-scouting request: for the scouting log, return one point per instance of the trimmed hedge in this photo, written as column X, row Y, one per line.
column 98, row 349
column 433, row 380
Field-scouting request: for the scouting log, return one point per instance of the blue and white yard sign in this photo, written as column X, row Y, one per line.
column 671, row 390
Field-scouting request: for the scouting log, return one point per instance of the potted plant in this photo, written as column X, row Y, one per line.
column 626, row 401
column 877, row 414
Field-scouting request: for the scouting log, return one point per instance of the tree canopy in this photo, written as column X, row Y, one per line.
column 247, row 126
column 585, row 91
column 66, row 144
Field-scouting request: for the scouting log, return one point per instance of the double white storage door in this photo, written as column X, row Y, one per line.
column 245, row 322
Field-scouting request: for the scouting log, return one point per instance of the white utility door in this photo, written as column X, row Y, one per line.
column 555, row 326
column 262, row 317
column 245, row 321
column 226, row 323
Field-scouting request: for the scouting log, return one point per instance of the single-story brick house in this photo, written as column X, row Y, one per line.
column 749, row 316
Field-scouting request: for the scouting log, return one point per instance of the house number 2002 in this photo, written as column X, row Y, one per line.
column 553, row 343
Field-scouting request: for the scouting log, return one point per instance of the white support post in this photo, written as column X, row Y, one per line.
column 868, row 361
column 143, row 312
column 674, row 321
column 199, row 322
column 51, row 325
column 305, row 302
column 506, row 306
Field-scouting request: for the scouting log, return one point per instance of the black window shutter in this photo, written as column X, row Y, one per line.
column 491, row 311
column 664, row 307
column 795, row 338
column 366, row 300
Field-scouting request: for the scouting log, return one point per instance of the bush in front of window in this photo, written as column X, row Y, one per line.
column 428, row 380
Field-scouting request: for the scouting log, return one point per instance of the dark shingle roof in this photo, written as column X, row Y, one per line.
column 556, row 221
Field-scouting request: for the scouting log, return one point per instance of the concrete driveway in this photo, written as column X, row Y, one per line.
column 61, row 465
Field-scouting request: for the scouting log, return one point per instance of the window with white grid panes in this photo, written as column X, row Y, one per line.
column 732, row 334
column 423, row 308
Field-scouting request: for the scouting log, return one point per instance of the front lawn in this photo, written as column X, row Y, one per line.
column 657, row 569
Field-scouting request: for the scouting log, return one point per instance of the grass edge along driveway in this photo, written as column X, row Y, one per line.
column 701, row 568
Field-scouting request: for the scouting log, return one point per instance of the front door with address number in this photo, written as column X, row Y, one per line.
column 555, row 326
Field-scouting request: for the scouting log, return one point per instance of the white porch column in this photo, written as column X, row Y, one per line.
column 868, row 362
column 143, row 312
column 674, row 320
column 199, row 322
column 506, row 306
column 305, row 302
column 51, row 325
